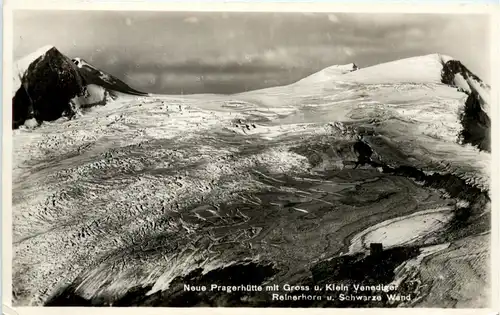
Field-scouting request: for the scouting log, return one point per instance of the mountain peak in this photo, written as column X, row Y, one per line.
column 38, row 52
column 29, row 58
column 48, row 85
column 21, row 65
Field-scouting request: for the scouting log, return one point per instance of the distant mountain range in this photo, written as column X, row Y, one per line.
column 49, row 85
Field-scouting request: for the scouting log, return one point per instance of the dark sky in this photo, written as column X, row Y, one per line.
column 215, row 52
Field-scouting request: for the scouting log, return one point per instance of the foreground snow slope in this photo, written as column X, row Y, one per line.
column 147, row 189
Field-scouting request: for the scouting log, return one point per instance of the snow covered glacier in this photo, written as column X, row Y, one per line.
column 125, row 204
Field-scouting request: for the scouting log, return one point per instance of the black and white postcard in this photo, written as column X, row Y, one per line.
column 265, row 158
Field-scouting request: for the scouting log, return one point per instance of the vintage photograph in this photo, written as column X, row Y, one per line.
column 251, row 159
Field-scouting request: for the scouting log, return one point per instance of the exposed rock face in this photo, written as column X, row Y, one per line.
column 453, row 67
column 47, row 87
column 475, row 120
column 53, row 86
column 21, row 108
column 476, row 124
column 93, row 95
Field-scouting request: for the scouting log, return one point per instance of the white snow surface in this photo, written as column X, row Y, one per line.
column 402, row 230
column 421, row 69
column 80, row 62
column 73, row 177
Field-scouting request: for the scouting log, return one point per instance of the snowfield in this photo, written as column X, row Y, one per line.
column 145, row 190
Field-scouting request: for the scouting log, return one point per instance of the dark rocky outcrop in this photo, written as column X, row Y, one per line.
column 476, row 124
column 346, row 270
column 47, row 87
column 363, row 151
column 453, row 67
column 475, row 121
column 54, row 86
column 98, row 77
